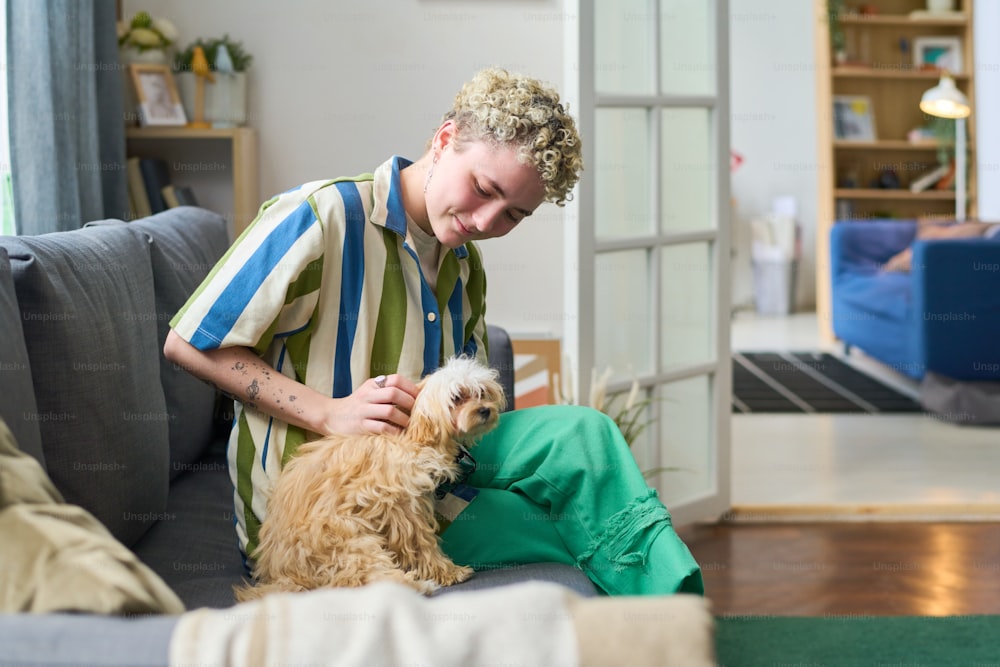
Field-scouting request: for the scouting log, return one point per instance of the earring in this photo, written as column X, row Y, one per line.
column 430, row 172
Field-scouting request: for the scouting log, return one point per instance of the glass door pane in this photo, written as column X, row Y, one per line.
column 623, row 199
column 623, row 48
column 687, row 303
column 622, row 330
column 687, row 47
column 688, row 170
column 686, row 445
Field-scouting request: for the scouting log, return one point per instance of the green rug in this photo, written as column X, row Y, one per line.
column 872, row 641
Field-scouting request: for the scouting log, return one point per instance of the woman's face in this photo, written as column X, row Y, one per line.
column 478, row 191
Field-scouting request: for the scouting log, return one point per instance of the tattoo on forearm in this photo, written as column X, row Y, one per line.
column 253, row 390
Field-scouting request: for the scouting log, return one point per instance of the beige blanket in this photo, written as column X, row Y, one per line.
column 532, row 623
column 58, row 557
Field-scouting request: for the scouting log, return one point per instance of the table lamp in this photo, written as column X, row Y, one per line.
column 946, row 101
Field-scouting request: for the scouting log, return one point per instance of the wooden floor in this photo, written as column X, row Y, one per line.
column 849, row 569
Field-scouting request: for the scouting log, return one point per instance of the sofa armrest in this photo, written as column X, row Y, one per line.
column 864, row 246
column 956, row 295
column 501, row 357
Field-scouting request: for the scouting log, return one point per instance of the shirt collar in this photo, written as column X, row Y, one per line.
column 388, row 210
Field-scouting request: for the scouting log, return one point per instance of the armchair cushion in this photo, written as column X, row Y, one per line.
column 956, row 291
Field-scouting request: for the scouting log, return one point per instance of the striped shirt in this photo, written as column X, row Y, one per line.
column 324, row 288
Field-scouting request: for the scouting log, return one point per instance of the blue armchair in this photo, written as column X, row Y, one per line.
column 943, row 316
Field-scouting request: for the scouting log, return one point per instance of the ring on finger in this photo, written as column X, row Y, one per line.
column 380, row 381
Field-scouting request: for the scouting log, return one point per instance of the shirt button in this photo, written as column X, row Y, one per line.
column 431, row 317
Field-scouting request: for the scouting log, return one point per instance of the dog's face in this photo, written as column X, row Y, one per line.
column 462, row 399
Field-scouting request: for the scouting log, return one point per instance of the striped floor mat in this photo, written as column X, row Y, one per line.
column 809, row 382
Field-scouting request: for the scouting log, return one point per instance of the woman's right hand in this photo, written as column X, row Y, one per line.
column 379, row 405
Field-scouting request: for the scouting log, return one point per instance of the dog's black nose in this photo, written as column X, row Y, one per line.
column 485, row 413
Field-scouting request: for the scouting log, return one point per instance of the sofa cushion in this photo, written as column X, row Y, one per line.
column 18, row 408
column 186, row 243
column 86, row 301
column 885, row 295
column 195, row 550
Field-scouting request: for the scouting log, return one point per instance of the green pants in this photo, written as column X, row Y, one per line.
column 559, row 484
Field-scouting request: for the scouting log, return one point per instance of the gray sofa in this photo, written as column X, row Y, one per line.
column 125, row 434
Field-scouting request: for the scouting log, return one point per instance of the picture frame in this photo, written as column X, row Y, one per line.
column 159, row 103
column 853, row 118
column 537, row 365
column 938, row 53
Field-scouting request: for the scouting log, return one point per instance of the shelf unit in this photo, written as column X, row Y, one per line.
column 242, row 155
column 880, row 65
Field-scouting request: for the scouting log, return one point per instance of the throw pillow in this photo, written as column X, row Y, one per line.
column 185, row 244
column 88, row 315
column 18, row 406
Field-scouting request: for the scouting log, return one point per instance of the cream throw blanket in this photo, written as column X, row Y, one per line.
column 533, row 623
column 58, row 557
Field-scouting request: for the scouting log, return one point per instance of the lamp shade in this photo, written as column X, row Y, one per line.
column 945, row 100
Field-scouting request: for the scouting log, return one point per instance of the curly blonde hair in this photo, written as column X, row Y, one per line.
column 499, row 107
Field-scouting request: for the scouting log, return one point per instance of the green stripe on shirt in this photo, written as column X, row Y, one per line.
column 245, row 455
column 390, row 329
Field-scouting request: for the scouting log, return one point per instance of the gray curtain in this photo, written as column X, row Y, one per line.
column 67, row 138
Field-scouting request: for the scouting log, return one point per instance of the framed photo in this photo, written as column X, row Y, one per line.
column 537, row 362
column 942, row 53
column 159, row 103
column 853, row 118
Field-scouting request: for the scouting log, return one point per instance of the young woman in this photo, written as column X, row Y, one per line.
column 344, row 292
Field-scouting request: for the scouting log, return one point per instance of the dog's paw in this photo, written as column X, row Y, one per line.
column 455, row 575
column 423, row 586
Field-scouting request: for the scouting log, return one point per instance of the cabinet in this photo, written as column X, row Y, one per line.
column 886, row 58
column 191, row 152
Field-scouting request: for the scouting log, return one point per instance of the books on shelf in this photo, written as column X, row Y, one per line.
column 155, row 176
column 150, row 189
column 178, row 195
column 137, row 188
column 928, row 180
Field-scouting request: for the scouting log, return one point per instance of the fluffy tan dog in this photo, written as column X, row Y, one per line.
column 350, row 510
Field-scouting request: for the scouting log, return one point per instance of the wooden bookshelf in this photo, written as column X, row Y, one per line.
column 880, row 65
column 243, row 161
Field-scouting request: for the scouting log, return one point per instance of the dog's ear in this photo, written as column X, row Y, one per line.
column 426, row 423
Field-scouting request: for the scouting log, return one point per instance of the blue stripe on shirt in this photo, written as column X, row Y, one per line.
column 351, row 284
column 219, row 321
column 455, row 310
column 395, row 212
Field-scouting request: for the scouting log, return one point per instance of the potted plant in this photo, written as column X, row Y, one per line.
column 145, row 39
column 838, row 41
column 226, row 98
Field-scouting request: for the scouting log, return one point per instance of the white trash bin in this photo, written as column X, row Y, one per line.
column 774, row 286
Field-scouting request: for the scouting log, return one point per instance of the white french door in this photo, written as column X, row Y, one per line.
column 648, row 235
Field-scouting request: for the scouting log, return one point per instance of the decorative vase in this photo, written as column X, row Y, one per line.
column 940, row 6
column 225, row 100
column 130, row 54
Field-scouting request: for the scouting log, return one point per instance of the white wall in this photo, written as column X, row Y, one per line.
column 336, row 87
column 987, row 74
column 773, row 107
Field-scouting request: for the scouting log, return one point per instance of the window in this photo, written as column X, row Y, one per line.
column 7, row 225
